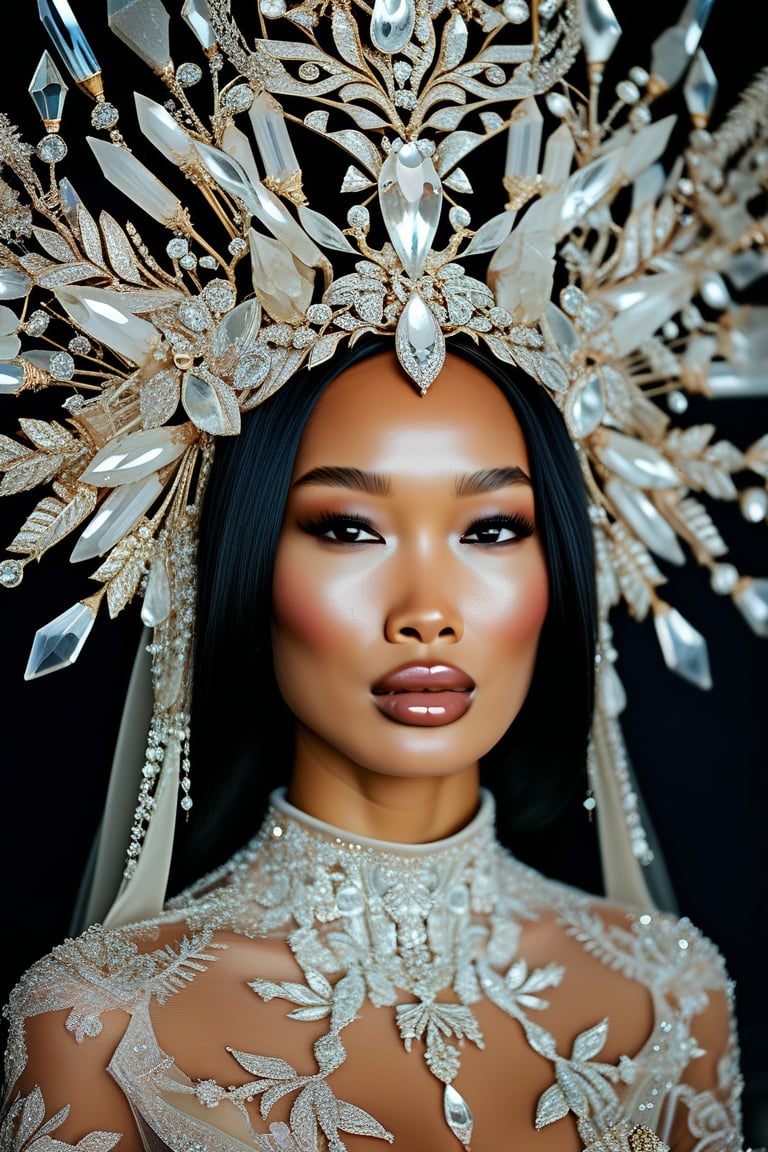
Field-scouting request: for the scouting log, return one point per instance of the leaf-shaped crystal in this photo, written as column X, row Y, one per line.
column 143, row 26
column 458, row 1115
column 48, row 91
column 59, row 643
column 585, row 406
column 210, row 403
column 324, row 231
column 100, row 312
column 751, row 599
column 419, row 342
column 491, row 234
column 156, row 606
column 115, row 517
column 138, row 455
column 635, row 461
column 410, row 195
column 233, row 335
column 392, row 23
column 683, row 648
column 13, row 284
column 645, row 519
column 11, row 378
column 587, row 1044
column 128, row 174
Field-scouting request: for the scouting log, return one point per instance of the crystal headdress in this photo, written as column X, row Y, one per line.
column 609, row 262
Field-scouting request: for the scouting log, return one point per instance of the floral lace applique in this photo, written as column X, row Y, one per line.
column 25, row 1129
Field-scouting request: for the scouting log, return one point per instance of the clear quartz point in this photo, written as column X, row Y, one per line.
column 524, row 140
column 48, row 92
column 458, row 1115
column 59, row 643
column 272, row 138
column 674, row 48
column 410, row 195
column 128, row 174
column 751, row 599
column 157, row 598
column 700, row 88
column 115, row 517
column 600, row 30
column 392, row 23
column 196, row 14
column 683, row 648
column 419, row 342
column 143, row 26
column 59, row 22
column 162, row 130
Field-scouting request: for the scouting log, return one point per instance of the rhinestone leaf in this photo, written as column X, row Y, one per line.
column 392, row 23
column 683, row 648
column 410, row 195
column 60, row 642
column 116, row 516
column 458, row 1115
column 419, row 342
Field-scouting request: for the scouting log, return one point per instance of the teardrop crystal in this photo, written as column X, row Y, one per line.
column 60, row 642
column 683, row 648
column 458, row 1115
column 419, row 342
column 116, row 516
column 392, row 23
column 410, row 195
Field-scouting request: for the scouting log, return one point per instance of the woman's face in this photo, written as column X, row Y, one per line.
column 410, row 585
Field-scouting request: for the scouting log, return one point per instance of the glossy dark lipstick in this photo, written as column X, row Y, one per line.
column 424, row 694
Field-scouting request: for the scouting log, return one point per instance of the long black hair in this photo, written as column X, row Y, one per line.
column 242, row 731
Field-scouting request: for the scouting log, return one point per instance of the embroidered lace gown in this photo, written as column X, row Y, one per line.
column 322, row 992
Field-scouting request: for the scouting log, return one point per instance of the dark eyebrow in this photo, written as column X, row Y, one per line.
column 489, row 480
column 372, row 482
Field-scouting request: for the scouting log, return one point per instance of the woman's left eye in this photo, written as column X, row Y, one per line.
column 498, row 530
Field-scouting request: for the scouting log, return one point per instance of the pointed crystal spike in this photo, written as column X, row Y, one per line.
column 48, row 92
column 524, row 140
column 700, row 90
column 59, row 21
column 128, row 174
column 683, row 648
column 673, row 50
column 751, row 599
column 115, row 517
column 196, row 13
column 419, row 342
column 600, row 30
column 410, row 196
column 458, row 1115
column 163, row 131
column 646, row 520
column 392, row 23
column 59, row 643
column 156, row 606
column 102, row 314
column 143, row 26
column 272, row 138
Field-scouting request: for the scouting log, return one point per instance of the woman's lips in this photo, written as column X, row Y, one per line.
column 424, row 694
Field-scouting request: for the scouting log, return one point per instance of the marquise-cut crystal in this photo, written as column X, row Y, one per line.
column 636, row 461
column 59, row 643
column 586, row 406
column 646, row 520
column 138, row 454
column 213, row 408
column 115, row 517
column 48, row 91
column 59, row 22
column 156, row 605
column 410, row 195
column 458, row 1115
column 272, row 138
column 128, row 174
column 600, row 30
column 491, row 234
column 419, row 342
column 99, row 312
column 14, row 285
column 143, row 26
column 751, row 599
column 392, row 23
column 683, row 648
column 235, row 333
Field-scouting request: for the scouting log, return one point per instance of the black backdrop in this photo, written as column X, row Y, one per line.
column 700, row 757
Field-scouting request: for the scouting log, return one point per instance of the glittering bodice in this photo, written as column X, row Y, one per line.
column 322, row 992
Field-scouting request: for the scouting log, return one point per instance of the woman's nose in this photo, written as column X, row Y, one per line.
column 424, row 611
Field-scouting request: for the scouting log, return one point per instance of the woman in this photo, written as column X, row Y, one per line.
column 374, row 965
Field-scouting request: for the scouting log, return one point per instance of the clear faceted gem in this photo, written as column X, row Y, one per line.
column 410, row 195
column 157, row 597
column 392, row 24
column 48, row 90
column 59, row 643
column 683, row 648
column 458, row 1116
column 104, row 116
column 51, row 149
column 752, row 601
column 189, row 74
column 419, row 342
column 11, row 573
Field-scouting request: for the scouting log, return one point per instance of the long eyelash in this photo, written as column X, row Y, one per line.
column 318, row 524
column 518, row 523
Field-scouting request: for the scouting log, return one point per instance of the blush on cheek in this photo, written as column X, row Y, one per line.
column 296, row 611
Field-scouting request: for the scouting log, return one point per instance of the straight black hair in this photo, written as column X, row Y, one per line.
column 242, row 732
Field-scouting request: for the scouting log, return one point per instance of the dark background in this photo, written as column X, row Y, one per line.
column 700, row 757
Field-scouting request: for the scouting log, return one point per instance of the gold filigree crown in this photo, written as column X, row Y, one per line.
column 609, row 272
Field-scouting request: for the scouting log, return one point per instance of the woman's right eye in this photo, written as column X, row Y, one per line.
column 343, row 530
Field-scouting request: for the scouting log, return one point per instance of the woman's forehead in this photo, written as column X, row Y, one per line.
column 372, row 417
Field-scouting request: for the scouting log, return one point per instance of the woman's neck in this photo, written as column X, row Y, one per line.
column 401, row 809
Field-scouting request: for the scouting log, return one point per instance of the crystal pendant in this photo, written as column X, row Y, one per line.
column 128, row 174
column 392, row 23
column 419, row 342
column 683, row 648
column 196, row 15
column 600, row 30
column 59, row 22
column 751, row 599
column 115, row 518
column 48, row 92
column 99, row 312
column 137, row 455
column 143, row 26
column 700, row 90
column 674, row 48
column 156, row 606
column 458, row 1116
column 646, row 520
column 59, row 643
column 410, row 195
